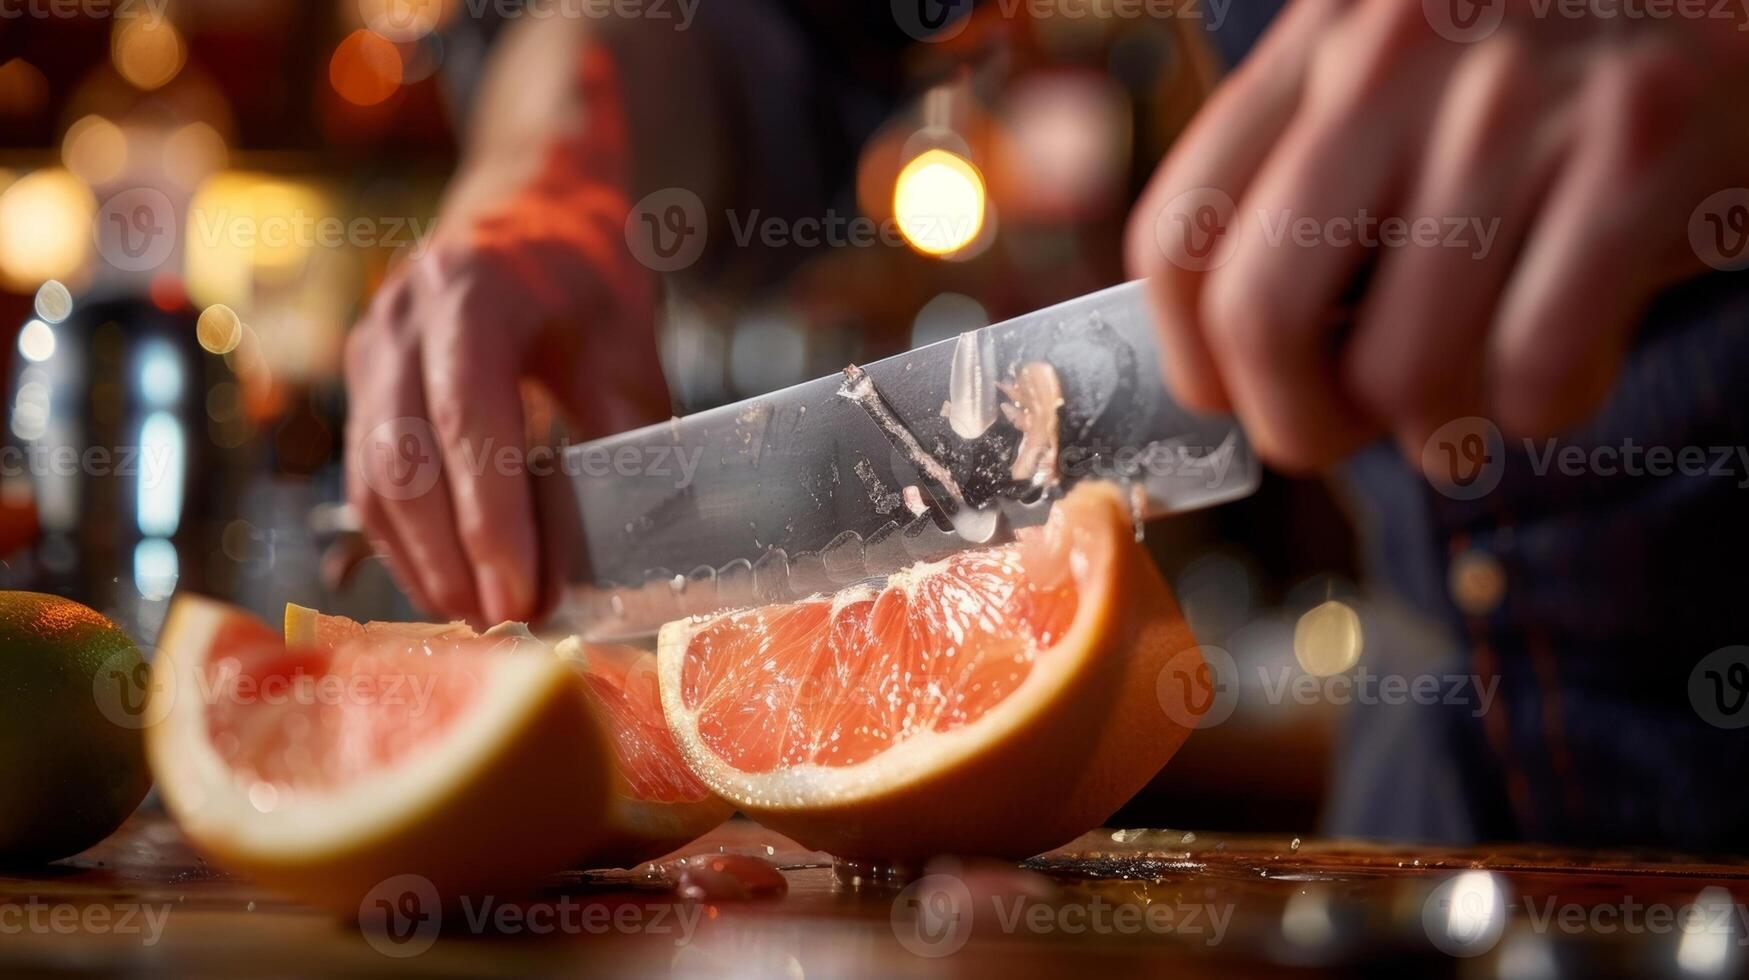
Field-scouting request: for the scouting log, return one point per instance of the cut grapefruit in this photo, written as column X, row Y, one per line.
column 306, row 627
column 325, row 772
column 1001, row 701
column 655, row 804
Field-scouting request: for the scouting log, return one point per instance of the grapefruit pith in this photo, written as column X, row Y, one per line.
column 655, row 804
column 1001, row 701
column 325, row 772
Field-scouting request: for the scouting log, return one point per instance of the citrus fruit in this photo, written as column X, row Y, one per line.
column 655, row 803
column 71, row 759
column 1000, row 701
column 324, row 772
column 306, row 627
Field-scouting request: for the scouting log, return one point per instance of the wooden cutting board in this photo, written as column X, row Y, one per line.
column 144, row 903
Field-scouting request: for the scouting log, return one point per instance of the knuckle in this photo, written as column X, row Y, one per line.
column 1363, row 55
column 482, row 532
column 1497, row 85
column 1241, row 324
column 449, row 417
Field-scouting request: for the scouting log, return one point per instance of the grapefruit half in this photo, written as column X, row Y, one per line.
column 1001, row 701
column 323, row 772
column 655, row 804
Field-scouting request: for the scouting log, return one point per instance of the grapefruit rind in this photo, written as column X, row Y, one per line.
column 1070, row 744
column 484, row 805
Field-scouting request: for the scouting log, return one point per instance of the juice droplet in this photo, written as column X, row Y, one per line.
column 1035, row 397
column 727, row 877
column 862, row 873
column 971, row 387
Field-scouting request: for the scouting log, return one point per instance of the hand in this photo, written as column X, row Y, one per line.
column 542, row 293
column 1557, row 161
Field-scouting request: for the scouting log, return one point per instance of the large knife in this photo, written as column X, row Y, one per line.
column 908, row 459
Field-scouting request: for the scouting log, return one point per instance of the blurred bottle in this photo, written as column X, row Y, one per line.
column 108, row 446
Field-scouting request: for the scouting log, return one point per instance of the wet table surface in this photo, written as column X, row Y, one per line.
column 1124, row 902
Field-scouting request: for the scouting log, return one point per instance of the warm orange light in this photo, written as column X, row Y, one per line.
column 365, row 69
column 45, row 228
column 23, row 89
column 938, row 202
column 405, row 20
column 194, row 152
column 148, row 51
column 95, row 149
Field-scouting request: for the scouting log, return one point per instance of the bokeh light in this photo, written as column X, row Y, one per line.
column 95, row 149
column 54, row 302
column 194, row 152
column 36, row 341
column 147, row 51
column 365, row 69
column 939, row 201
column 947, row 316
column 219, row 329
column 1328, row 639
column 45, row 228
column 405, row 20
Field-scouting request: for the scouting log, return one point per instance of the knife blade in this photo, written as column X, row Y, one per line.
column 908, row 459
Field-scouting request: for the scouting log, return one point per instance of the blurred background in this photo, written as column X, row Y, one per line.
column 198, row 196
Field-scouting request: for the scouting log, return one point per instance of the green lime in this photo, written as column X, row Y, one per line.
column 72, row 756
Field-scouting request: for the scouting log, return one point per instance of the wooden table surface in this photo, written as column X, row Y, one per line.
column 1124, row 902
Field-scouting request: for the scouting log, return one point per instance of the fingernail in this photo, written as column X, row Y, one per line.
column 506, row 595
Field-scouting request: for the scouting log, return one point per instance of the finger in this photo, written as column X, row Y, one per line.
column 1579, row 288
column 1416, row 358
column 1211, row 166
column 1270, row 315
column 379, row 536
column 396, row 479
column 476, row 406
